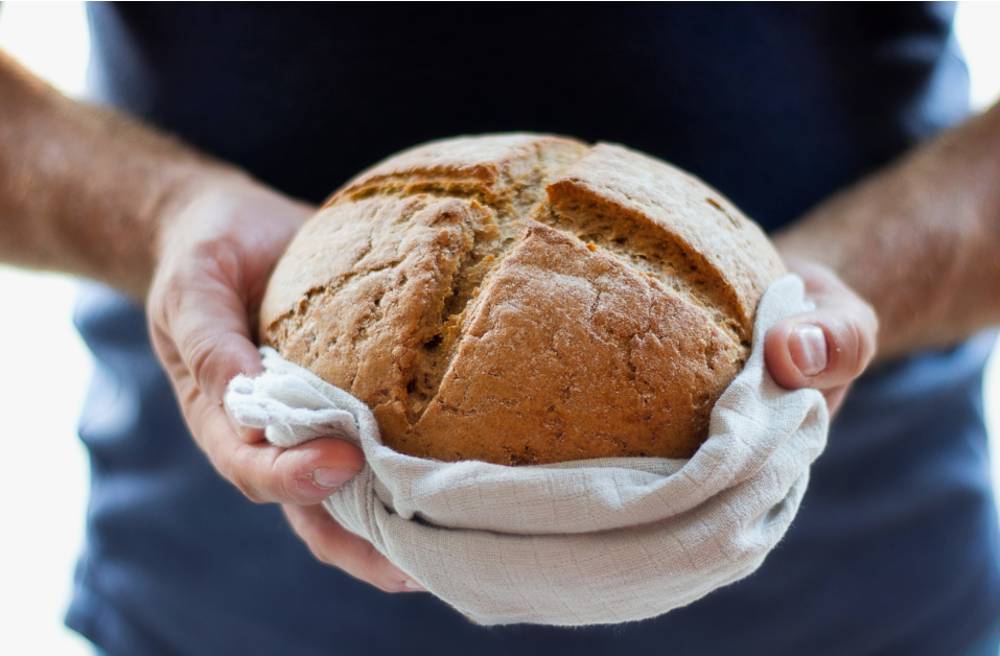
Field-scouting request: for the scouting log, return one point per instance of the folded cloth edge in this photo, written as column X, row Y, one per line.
column 427, row 516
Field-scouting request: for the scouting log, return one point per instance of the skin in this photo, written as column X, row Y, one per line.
column 195, row 239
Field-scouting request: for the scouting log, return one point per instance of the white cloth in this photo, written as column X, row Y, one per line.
column 586, row 542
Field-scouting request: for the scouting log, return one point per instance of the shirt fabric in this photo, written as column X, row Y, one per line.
column 896, row 546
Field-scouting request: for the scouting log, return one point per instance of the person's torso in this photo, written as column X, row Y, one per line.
column 776, row 105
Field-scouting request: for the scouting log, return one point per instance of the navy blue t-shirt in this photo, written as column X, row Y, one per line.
column 895, row 549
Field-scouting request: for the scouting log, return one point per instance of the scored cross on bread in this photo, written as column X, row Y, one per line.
column 524, row 299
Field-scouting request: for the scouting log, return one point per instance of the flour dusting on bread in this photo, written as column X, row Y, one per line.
column 524, row 299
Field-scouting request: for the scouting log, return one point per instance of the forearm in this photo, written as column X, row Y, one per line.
column 920, row 240
column 82, row 188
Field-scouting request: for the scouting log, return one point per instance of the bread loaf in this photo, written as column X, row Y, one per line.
column 524, row 299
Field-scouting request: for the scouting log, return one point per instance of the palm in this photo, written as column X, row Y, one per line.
column 217, row 252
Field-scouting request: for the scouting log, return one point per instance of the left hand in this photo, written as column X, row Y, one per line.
column 828, row 347
column 217, row 245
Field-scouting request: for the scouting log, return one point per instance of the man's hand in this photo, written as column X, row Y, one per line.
column 216, row 245
column 828, row 347
column 92, row 192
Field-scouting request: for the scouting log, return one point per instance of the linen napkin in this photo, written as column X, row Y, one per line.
column 577, row 543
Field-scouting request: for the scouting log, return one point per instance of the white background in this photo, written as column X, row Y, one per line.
column 43, row 486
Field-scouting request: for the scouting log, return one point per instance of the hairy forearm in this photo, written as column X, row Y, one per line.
column 82, row 188
column 919, row 240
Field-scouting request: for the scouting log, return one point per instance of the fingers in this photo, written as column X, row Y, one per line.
column 304, row 475
column 205, row 342
column 199, row 327
column 822, row 349
column 334, row 545
column 200, row 312
column 828, row 347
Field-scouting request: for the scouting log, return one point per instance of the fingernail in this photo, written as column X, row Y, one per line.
column 332, row 478
column 410, row 584
column 808, row 349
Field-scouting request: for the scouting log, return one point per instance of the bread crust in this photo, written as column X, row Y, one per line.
column 524, row 299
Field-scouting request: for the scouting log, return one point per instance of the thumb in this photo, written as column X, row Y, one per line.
column 823, row 349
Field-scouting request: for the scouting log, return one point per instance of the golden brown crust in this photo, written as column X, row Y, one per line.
column 491, row 168
column 524, row 299
column 730, row 254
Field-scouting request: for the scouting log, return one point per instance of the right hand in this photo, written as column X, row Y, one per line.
column 216, row 246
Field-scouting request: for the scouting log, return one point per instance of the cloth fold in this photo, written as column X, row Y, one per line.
column 587, row 542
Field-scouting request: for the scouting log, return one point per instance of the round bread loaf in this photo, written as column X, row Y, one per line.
column 524, row 299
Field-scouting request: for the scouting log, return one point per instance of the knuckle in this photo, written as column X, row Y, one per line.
column 200, row 352
column 164, row 298
column 212, row 358
column 276, row 475
column 163, row 344
column 169, row 297
column 853, row 350
column 164, row 305
column 288, row 487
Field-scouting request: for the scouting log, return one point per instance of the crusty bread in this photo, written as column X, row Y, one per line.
column 524, row 299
